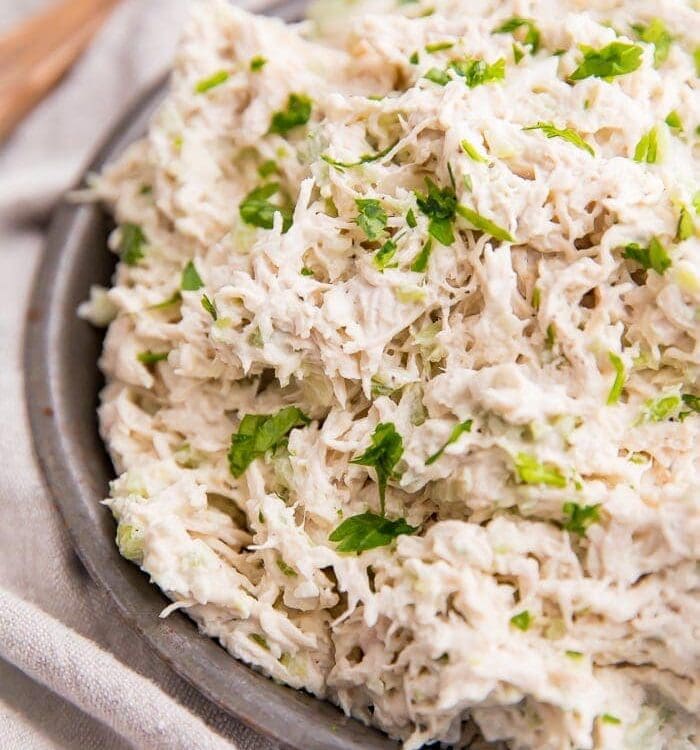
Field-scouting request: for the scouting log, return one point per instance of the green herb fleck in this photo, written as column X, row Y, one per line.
column 531, row 36
column 174, row 299
column 657, row 34
column 457, row 432
column 439, row 206
column 149, row 358
column 531, row 471
column 615, row 59
column 420, row 262
column 411, row 219
column 438, row 46
column 610, row 719
column 131, row 244
column 566, row 133
column 296, row 113
column 619, row 382
column 471, row 151
column 656, row 410
column 550, row 337
column 384, row 453
column 580, row 517
column 673, row 120
column 686, row 225
column 518, row 53
column 438, row 76
column 482, row 224
column 210, row 307
column 575, row 655
column 191, row 281
column 478, row 72
column 206, row 84
column 414, row 59
column 522, row 620
column 259, row 433
column 385, row 255
column 305, row 271
column 267, row 168
column 654, row 256
column 368, row 531
column 364, row 159
column 257, row 210
column 372, row 218
column 260, row 640
column 287, row 570
column 257, row 63
column 648, row 149
column 536, row 298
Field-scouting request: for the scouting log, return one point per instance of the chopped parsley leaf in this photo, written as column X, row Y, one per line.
column 286, row 570
column 580, row 517
column 260, row 640
column 267, row 168
column 455, row 435
column 696, row 202
column 522, row 620
column 692, row 402
column 531, row 37
column 411, row 219
column 306, row 271
column 131, row 242
column 619, row 382
column 482, row 224
column 568, row 134
column 686, row 225
column 368, row 531
column 654, row 256
column 658, row 409
column 615, row 59
column 518, row 53
column 191, row 280
column 210, row 307
column 531, row 471
column 414, row 59
column 174, row 299
column 610, row 719
column 364, row 159
column 477, row 72
column 384, row 453
column 420, row 262
column 372, row 218
column 648, row 149
column 696, row 60
column 259, row 433
column 296, row 113
column 438, row 76
column 385, row 255
column 214, row 80
column 471, row 151
column 438, row 46
column 673, row 120
column 550, row 337
column 257, row 63
column 439, row 205
column 150, row 358
column 657, row 34
column 257, row 210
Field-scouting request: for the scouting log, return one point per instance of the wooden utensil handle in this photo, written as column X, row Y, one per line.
column 35, row 55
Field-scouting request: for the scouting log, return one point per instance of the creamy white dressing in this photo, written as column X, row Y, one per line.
column 550, row 594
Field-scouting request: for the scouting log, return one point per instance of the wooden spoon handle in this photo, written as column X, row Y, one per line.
column 35, row 55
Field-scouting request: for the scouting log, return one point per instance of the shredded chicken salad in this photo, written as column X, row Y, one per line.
column 403, row 361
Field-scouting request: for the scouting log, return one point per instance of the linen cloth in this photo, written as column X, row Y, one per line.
column 72, row 673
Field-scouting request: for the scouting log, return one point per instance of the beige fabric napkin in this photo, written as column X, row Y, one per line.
column 72, row 673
